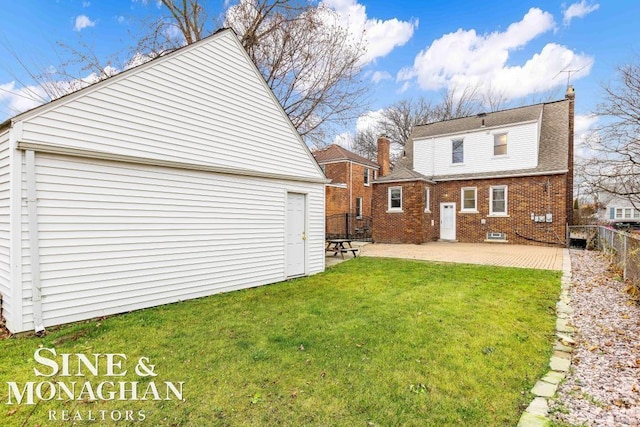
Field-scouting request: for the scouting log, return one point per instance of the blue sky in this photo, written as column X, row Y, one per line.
column 415, row 48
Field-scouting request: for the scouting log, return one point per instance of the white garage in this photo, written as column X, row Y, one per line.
column 180, row 178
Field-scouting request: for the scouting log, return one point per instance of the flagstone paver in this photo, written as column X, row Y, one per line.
column 537, row 413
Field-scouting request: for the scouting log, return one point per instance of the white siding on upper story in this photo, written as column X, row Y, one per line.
column 115, row 237
column 205, row 105
column 432, row 156
column 5, row 223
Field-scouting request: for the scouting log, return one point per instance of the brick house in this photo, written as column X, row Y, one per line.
column 505, row 176
column 348, row 195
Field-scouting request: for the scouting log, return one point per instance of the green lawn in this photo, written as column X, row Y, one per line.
column 369, row 342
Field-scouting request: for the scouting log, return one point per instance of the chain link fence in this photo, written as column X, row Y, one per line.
column 622, row 247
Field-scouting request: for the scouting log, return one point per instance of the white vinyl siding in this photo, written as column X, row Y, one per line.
column 5, row 224
column 433, row 156
column 116, row 237
column 206, row 106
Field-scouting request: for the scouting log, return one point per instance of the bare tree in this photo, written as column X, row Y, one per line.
column 312, row 64
column 398, row 120
column 458, row 103
column 614, row 163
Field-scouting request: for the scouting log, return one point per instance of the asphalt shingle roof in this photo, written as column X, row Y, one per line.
column 554, row 136
column 335, row 153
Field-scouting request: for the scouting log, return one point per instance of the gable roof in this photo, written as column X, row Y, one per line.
column 554, row 136
column 402, row 171
column 203, row 105
column 336, row 153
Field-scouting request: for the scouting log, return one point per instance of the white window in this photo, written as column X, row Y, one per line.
column 469, row 196
column 500, row 144
column 366, row 176
column 627, row 213
column 457, row 151
column 427, row 199
column 359, row 207
column 395, row 199
column 498, row 200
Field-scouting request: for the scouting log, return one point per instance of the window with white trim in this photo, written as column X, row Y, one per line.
column 469, row 196
column 498, row 200
column 500, row 144
column 427, row 199
column 627, row 213
column 395, row 199
column 366, row 176
column 457, row 151
column 359, row 207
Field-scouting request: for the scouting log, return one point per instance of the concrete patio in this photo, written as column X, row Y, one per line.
column 523, row 256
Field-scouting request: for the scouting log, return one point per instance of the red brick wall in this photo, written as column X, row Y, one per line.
column 412, row 225
column 337, row 199
column 537, row 195
column 524, row 196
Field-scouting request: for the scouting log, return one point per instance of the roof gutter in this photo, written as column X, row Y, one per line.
column 516, row 175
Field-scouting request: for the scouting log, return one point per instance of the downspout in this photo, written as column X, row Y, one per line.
column 34, row 243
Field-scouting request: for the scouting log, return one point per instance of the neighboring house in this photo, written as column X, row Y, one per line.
column 615, row 209
column 348, row 195
column 180, row 178
column 505, row 176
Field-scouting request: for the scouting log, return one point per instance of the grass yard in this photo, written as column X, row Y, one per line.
column 369, row 342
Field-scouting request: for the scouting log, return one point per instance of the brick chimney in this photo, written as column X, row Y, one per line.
column 384, row 146
column 571, row 96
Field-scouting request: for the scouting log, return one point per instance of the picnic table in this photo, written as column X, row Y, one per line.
column 342, row 246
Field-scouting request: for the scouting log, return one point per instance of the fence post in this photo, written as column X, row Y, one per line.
column 346, row 226
column 624, row 254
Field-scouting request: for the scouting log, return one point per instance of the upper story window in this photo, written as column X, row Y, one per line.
column 457, row 151
column 395, row 198
column 366, row 176
column 500, row 144
column 469, row 199
column 498, row 200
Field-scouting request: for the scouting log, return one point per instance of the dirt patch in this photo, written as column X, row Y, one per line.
column 4, row 332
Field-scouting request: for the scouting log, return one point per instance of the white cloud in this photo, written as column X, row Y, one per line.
column 86, row 4
column 344, row 139
column 381, row 37
column 82, row 22
column 578, row 10
column 379, row 76
column 467, row 59
column 369, row 120
column 15, row 100
column 121, row 19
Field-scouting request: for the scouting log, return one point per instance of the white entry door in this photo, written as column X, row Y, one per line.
column 447, row 221
column 296, row 234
